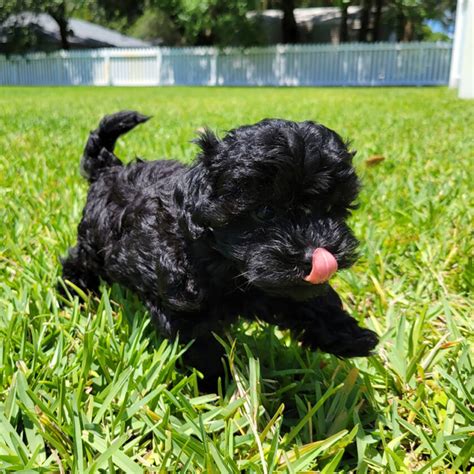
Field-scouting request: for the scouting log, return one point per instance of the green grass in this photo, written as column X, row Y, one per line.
column 91, row 387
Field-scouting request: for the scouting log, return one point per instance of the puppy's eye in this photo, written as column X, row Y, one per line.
column 264, row 214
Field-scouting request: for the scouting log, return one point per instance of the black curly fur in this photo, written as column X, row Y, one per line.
column 232, row 235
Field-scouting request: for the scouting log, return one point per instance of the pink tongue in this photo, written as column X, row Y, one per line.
column 324, row 266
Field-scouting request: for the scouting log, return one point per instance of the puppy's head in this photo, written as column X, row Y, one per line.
column 273, row 199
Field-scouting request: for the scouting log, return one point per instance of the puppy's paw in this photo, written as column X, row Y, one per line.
column 361, row 345
column 357, row 342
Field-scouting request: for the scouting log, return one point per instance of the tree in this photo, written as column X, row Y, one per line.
column 22, row 37
column 377, row 18
column 113, row 10
column 343, row 29
column 410, row 16
column 289, row 28
column 59, row 11
column 364, row 20
column 203, row 22
column 218, row 22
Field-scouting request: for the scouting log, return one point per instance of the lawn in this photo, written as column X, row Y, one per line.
column 90, row 387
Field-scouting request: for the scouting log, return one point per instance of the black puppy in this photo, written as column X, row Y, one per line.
column 254, row 228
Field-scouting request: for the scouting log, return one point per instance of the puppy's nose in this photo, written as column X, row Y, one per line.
column 323, row 266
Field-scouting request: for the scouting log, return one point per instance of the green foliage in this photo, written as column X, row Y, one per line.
column 220, row 22
column 425, row 9
column 428, row 34
column 410, row 16
column 174, row 22
column 198, row 22
column 22, row 38
column 91, row 388
column 155, row 25
column 204, row 22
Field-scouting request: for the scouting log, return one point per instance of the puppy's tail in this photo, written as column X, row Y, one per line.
column 98, row 152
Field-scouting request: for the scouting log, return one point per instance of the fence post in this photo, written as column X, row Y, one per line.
column 158, row 66
column 108, row 74
column 213, row 71
column 280, row 79
column 15, row 71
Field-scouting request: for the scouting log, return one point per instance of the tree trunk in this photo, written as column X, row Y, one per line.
column 64, row 32
column 289, row 29
column 59, row 14
column 343, row 31
column 408, row 31
column 401, row 20
column 377, row 17
column 205, row 38
column 364, row 20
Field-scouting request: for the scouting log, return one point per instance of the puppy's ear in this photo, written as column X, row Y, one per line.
column 191, row 196
column 350, row 151
column 196, row 211
column 209, row 144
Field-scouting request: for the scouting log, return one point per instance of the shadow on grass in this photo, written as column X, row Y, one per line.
column 317, row 394
column 298, row 378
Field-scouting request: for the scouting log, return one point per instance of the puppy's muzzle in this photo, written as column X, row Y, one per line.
column 323, row 266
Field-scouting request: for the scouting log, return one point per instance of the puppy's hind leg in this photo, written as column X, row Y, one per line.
column 206, row 353
column 79, row 270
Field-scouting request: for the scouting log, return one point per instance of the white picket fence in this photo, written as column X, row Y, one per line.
column 380, row 64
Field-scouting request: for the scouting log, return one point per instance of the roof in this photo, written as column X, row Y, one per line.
column 318, row 14
column 84, row 34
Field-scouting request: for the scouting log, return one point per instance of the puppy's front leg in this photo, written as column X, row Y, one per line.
column 80, row 269
column 331, row 329
column 321, row 323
